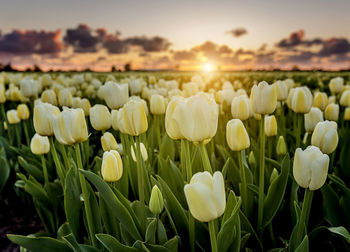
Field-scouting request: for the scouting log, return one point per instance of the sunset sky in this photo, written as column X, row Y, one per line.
column 187, row 35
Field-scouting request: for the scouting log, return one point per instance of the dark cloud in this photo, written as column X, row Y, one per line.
column 184, row 55
column 115, row 45
column 238, row 32
column 29, row 42
column 83, row 38
column 334, row 46
column 297, row 39
column 155, row 44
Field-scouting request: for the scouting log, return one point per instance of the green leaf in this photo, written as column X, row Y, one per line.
column 110, row 223
column 63, row 230
column 332, row 211
column 76, row 247
column 151, row 232
column 341, row 231
column 172, row 244
column 31, row 169
column 38, row 192
column 4, row 169
column 112, row 244
column 304, row 245
column 167, row 148
column 40, row 244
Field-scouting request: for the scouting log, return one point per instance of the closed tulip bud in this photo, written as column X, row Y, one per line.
column 108, row 142
column 70, row 126
column 157, row 104
column 347, row 114
column 321, row 100
column 143, row 150
column 65, row 98
column 100, row 117
column 42, row 118
column 251, row 159
column 205, row 196
column 236, row 135
column 5, row 126
column 49, row 96
column 274, row 175
column 115, row 95
column 12, row 116
column 85, row 105
column 171, row 126
column 306, row 135
column 312, row 118
column 23, row 111
column 156, row 202
column 241, row 108
column 263, row 98
column 290, row 83
column 29, row 87
column 336, row 85
column 14, row 93
column 325, row 136
column 282, row 90
column 300, row 100
column 76, row 102
column 112, row 166
column 345, row 99
column 2, row 94
column 132, row 118
column 136, row 86
column 332, row 112
column 281, row 148
column 39, row 145
column 270, row 125
column 225, row 97
column 310, row 167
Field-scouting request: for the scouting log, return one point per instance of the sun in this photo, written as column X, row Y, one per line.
column 207, row 67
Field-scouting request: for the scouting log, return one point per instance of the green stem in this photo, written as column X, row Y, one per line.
column 212, row 232
column 46, row 175
column 244, row 182
column 188, row 166
column 298, row 130
column 157, row 129
column 18, row 136
column 261, row 171
column 205, row 158
column 191, row 229
column 56, row 160
column 2, row 108
column 25, row 127
column 140, row 175
column 85, row 192
column 65, row 158
column 304, row 216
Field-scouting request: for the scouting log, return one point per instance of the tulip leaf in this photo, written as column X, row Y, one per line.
column 172, row 244
column 31, row 169
column 76, row 247
column 333, row 214
column 4, row 169
column 150, row 236
column 276, row 192
column 112, row 244
column 247, row 226
column 119, row 210
column 63, row 230
column 109, row 222
column 340, row 231
column 344, row 155
column 161, row 232
column 45, row 244
column 38, row 192
column 304, row 245
column 167, row 148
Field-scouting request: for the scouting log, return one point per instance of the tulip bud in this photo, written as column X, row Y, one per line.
column 325, row 136
column 136, row 86
column 236, row 135
column 336, row 85
column 345, row 99
column 241, row 108
column 300, row 100
column 347, row 114
column 39, row 144
column 274, row 175
column 70, row 126
column 100, row 117
column 29, row 87
column 49, row 96
column 157, row 104
column 282, row 90
column 2, row 94
column 115, row 95
column 270, row 125
column 112, row 166
column 85, row 105
column 76, row 102
column 143, row 150
column 251, row 159
column 312, row 118
column 42, row 118
column 156, row 202
column 205, row 196
column 281, row 148
column 12, row 116
column 23, row 111
column 132, row 118
column 65, row 98
column 14, row 93
column 321, row 100
column 310, row 167
column 171, row 126
column 332, row 112
column 263, row 98
column 108, row 142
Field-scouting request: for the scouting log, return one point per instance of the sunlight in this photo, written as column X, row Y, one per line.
column 207, row 67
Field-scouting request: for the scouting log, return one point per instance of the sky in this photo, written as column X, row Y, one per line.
column 184, row 35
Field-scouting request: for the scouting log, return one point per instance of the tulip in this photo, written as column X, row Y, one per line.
column 12, row 116
column 251, row 159
column 325, row 136
column 39, row 145
column 49, row 96
column 282, row 90
column 281, row 148
column 108, row 142
column 190, row 89
column 100, row 117
column 70, row 126
column 171, row 126
column 157, row 104
column 14, row 94
column 205, row 196
column 321, row 100
column 156, row 202
column 312, row 118
column 2, row 94
column 240, row 107
column 336, row 85
column 143, row 102
column 332, row 112
column 42, row 118
column 112, row 166
column 65, row 98
column 23, row 111
column 114, row 116
column 290, row 83
column 300, row 100
column 225, row 97
column 85, row 105
column 132, row 118
column 332, row 99
column 143, row 152
column 29, row 87
column 345, row 99
column 115, row 95
column 310, row 167
column 236, row 135
column 76, row 102
column 270, row 126
column 136, row 86
column 263, row 98
column 347, row 114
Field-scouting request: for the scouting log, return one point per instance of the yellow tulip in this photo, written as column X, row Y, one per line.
column 263, row 98
column 282, row 90
column 345, row 99
column 143, row 150
column 241, row 108
column 12, row 116
column 325, row 136
column 347, row 114
column 65, row 98
column 112, row 166
column 108, row 142
column 236, row 135
column 321, row 100
column 336, row 85
column 171, row 126
column 49, row 96
column 281, row 148
column 23, row 111
column 2, row 94
column 270, row 126
column 85, row 105
column 42, row 118
column 115, row 95
column 332, row 112
column 132, row 118
column 157, row 104
column 312, row 118
column 39, row 144
column 100, row 117
column 300, row 100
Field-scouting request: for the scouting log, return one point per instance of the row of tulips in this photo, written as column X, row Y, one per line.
column 191, row 166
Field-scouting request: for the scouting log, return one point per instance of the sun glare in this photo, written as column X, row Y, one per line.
column 207, row 67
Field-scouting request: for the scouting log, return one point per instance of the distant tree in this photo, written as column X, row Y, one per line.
column 127, row 67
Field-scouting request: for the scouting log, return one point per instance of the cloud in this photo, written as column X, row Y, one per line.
column 29, row 42
column 83, row 38
column 238, row 32
column 184, row 55
column 155, row 44
column 334, row 46
column 297, row 39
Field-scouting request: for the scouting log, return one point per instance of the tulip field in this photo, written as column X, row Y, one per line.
column 178, row 161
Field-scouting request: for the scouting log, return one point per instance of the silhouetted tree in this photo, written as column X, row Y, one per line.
column 127, row 67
